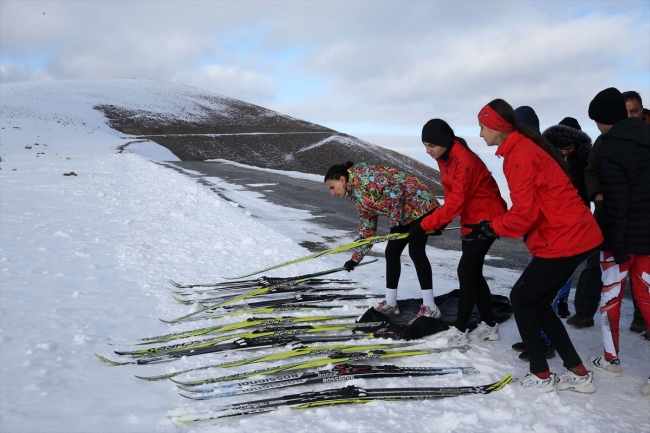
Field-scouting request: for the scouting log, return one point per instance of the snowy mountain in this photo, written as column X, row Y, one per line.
column 199, row 125
column 89, row 238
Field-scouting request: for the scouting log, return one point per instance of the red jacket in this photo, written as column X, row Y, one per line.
column 470, row 191
column 546, row 206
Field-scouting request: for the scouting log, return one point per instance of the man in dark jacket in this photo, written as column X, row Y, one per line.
column 624, row 169
column 635, row 107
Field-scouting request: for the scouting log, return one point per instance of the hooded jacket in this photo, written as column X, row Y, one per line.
column 577, row 160
column 379, row 190
column 470, row 191
column 545, row 204
column 624, row 171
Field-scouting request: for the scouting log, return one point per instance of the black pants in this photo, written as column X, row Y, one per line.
column 531, row 298
column 474, row 290
column 417, row 252
column 589, row 286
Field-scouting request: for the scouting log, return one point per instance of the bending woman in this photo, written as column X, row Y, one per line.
column 472, row 193
column 378, row 190
column 559, row 231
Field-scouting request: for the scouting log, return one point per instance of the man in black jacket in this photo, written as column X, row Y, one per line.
column 624, row 172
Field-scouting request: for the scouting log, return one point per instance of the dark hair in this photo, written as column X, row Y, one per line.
column 631, row 94
column 336, row 171
column 506, row 111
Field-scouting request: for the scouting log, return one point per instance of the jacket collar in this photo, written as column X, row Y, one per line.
column 509, row 143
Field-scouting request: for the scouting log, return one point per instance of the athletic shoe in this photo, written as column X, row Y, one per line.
column 580, row 320
column 549, row 352
column 563, row 309
column 646, row 388
column 385, row 308
column 571, row 381
column 484, row 332
column 611, row 367
column 427, row 312
column 519, row 347
column 638, row 325
column 646, row 334
column 532, row 381
column 454, row 336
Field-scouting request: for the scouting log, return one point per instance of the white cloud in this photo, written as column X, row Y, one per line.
column 397, row 63
column 229, row 81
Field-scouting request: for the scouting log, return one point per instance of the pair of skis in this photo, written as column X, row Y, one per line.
column 262, row 290
column 347, row 395
column 339, row 373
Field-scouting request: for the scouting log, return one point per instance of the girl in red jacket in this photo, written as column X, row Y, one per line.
column 472, row 193
column 559, row 231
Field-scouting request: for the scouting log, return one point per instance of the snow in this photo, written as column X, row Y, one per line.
column 86, row 257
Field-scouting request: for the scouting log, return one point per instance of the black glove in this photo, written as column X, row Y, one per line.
column 350, row 265
column 416, row 230
column 438, row 231
column 480, row 231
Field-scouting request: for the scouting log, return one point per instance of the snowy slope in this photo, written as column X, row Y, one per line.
column 86, row 257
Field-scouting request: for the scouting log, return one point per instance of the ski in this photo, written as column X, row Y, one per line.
column 249, row 323
column 205, row 302
column 339, row 373
column 354, row 244
column 262, row 281
column 243, row 344
column 347, row 395
column 339, row 357
column 259, row 291
column 292, row 353
column 281, row 309
column 188, row 347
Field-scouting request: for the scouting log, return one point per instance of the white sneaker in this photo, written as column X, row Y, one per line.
column 386, row 308
column 484, row 332
column 532, row 381
column 646, row 388
column 427, row 312
column 454, row 336
column 612, row 368
column 571, row 381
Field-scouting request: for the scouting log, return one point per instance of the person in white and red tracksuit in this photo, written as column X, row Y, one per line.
column 624, row 168
column 559, row 231
column 471, row 192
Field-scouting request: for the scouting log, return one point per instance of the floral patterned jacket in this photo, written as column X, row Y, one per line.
column 379, row 190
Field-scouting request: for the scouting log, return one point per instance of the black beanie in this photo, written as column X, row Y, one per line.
column 608, row 107
column 436, row 137
column 571, row 123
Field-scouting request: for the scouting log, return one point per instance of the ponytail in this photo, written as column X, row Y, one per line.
column 336, row 171
column 506, row 111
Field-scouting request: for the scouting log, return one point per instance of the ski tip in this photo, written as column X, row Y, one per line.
column 108, row 361
column 496, row 386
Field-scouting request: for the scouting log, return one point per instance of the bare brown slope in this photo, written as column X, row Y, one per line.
column 237, row 131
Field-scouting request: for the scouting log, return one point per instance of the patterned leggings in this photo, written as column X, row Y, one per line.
column 613, row 277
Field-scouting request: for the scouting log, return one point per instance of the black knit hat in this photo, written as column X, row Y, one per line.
column 608, row 107
column 571, row 123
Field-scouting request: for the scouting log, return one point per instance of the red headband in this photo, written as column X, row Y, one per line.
column 490, row 118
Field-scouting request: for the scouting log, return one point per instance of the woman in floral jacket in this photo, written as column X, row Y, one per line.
column 404, row 200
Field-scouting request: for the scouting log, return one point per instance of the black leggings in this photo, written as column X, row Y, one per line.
column 417, row 252
column 473, row 287
column 531, row 298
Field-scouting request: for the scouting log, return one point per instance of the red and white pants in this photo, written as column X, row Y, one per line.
column 613, row 277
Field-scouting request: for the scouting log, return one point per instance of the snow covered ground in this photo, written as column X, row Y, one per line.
column 85, row 257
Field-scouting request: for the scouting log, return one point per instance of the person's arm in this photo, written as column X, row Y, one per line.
column 367, row 228
column 616, row 189
column 520, row 174
column 592, row 179
column 455, row 198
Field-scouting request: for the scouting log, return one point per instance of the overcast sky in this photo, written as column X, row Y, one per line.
column 376, row 70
